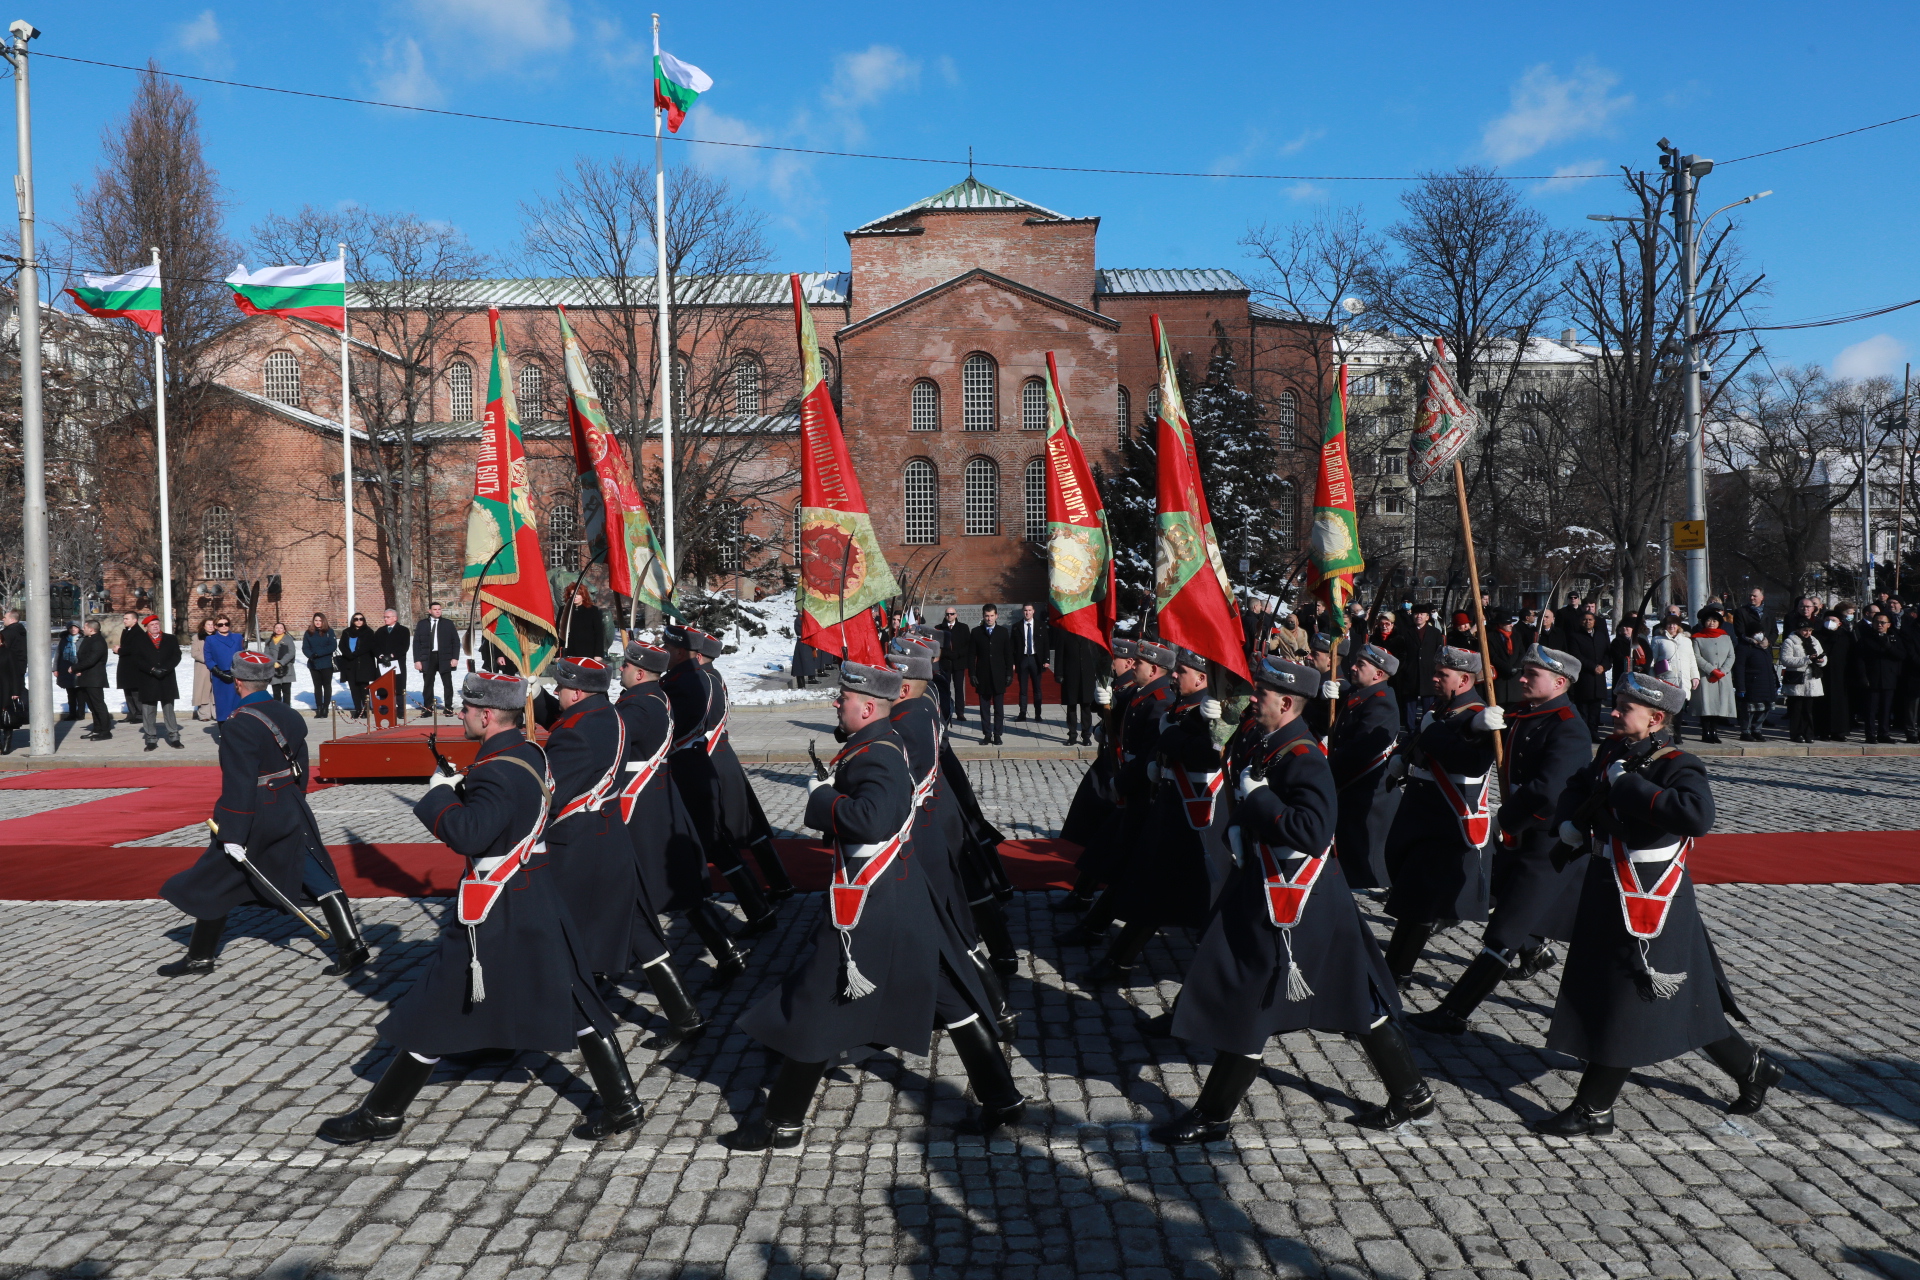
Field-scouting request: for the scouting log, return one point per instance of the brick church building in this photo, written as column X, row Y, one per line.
column 935, row 340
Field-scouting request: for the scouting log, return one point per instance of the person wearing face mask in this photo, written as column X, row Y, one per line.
column 1836, row 638
column 1802, row 666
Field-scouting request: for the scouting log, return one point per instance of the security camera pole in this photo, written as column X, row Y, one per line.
column 32, row 425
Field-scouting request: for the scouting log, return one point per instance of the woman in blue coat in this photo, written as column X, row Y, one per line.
column 219, row 652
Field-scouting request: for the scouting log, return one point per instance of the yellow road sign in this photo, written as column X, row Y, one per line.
column 1689, row 535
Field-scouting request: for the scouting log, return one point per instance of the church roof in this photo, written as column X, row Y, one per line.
column 755, row 288
column 1178, row 280
column 969, row 193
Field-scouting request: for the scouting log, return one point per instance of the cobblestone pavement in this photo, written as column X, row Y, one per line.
column 157, row 1127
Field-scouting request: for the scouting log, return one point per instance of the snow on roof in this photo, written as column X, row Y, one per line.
column 1376, row 348
column 757, row 288
column 301, row 416
column 969, row 193
column 1113, row 280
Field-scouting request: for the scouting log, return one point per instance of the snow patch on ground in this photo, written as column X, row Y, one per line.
column 758, row 672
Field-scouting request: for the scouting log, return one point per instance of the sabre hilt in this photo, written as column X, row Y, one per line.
column 441, row 763
column 819, row 770
column 1592, row 807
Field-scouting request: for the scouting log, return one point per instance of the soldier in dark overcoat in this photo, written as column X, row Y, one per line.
column 261, row 818
column 1642, row 982
column 1536, row 890
column 1286, row 949
column 699, row 721
column 1359, row 749
column 1437, row 848
column 511, row 970
column 886, row 964
column 742, row 817
column 1094, row 819
column 1080, row 666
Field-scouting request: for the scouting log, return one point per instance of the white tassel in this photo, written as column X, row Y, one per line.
column 853, row 984
column 1665, row 986
column 476, row 978
column 1297, row 988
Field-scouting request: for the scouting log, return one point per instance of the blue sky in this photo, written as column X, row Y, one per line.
column 1216, row 88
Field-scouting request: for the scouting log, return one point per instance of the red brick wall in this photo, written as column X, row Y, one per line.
column 1055, row 257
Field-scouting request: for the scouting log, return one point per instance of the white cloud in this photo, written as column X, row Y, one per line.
column 402, row 75
column 1301, row 143
column 1877, row 357
column 1548, row 109
column 862, row 79
column 1567, row 182
column 509, row 29
column 201, row 35
column 1306, row 191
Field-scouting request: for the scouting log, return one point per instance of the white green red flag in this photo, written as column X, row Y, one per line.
column 1445, row 423
column 1195, row 598
column 134, row 296
column 617, row 525
column 317, row 292
column 1334, row 557
column 675, row 85
column 503, row 561
column 1079, row 548
column 842, row 571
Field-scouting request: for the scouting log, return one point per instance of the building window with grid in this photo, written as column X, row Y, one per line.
column 681, row 376
column 1286, row 416
column 1284, row 517
column 922, row 503
column 1391, row 504
column 600, row 373
column 746, row 386
column 283, row 378
column 460, row 391
column 983, row 496
column 795, row 548
column 1153, row 406
column 1392, row 462
column 532, row 394
column 926, row 405
column 977, row 378
column 733, row 539
column 216, row 543
column 1123, row 413
column 563, row 535
column 1036, row 495
column 1033, row 405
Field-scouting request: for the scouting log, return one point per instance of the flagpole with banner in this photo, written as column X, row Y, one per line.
column 1334, row 555
column 160, row 438
column 346, row 432
column 1080, row 583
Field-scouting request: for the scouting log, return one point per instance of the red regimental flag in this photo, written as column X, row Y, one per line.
column 1079, row 549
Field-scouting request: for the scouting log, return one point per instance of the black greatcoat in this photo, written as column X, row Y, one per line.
column 1079, row 665
column 1606, row 1013
column 1546, row 746
column 589, row 850
column 270, row 819
column 903, row 944
column 1235, row 994
column 741, row 817
column 1132, row 824
column 672, row 864
column 540, row 988
column 691, row 698
column 1437, row 876
column 937, row 823
column 983, row 874
column 1363, row 735
column 1090, row 818
column 1174, row 873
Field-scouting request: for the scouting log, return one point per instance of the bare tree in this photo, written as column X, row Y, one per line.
column 412, row 283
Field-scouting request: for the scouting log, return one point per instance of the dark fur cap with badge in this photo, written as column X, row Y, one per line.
column 1649, row 692
column 1374, row 655
column 1160, row 655
column 1452, row 659
column 252, row 668
column 1282, row 676
column 1551, row 660
column 647, row 657
column 485, row 689
column 1125, row 649
column 679, row 635
column 588, row 675
column 913, row 661
column 876, row 682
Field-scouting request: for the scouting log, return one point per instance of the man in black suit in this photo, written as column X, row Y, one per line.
column 1030, row 658
column 991, row 668
column 1752, row 616
column 436, row 651
column 390, row 653
column 950, row 673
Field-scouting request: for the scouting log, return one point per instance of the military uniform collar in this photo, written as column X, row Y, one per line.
column 868, row 733
column 1549, row 707
column 262, row 696
column 503, row 741
column 1295, row 730
column 1462, row 701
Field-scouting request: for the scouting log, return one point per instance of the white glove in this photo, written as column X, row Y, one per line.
column 814, row 784
column 1153, row 772
column 1572, row 836
column 1329, row 689
column 1103, row 695
column 1491, row 719
column 442, row 779
column 238, row 852
column 1249, row 784
column 1210, row 709
column 1615, row 770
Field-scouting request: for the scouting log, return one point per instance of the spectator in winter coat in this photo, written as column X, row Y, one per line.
column 1836, row 637
column 1628, row 651
column 1802, row 661
column 1713, row 699
column 1673, row 659
column 1755, row 683
column 65, row 655
column 1881, row 659
column 155, row 656
column 318, row 647
column 1752, row 616
column 90, row 680
column 1587, row 644
column 1413, row 683
column 1910, row 687
column 123, row 674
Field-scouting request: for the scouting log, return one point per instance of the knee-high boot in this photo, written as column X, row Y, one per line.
column 1751, row 1069
column 990, row 919
column 784, row 1122
column 1080, row 897
column 1403, row 949
column 202, row 945
column 752, row 900
column 380, row 1116
column 1092, row 929
column 1133, row 939
column 1001, row 1102
column 620, row 1108
column 1003, row 1014
column 779, row 883
column 1408, row 1097
column 711, row 924
column 350, row 948
column 1473, row 986
column 676, row 1006
column 1591, row 1112
column 1211, row 1117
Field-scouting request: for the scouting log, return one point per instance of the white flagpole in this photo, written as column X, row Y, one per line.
column 160, row 428
column 346, row 438
column 663, row 338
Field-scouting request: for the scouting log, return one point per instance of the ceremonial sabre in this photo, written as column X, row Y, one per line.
column 260, row 881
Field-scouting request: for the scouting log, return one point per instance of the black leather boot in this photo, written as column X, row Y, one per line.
column 202, row 945
column 350, row 948
column 1079, row 898
column 620, row 1108
column 779, row 883
column 1001, row 1102
column 990, row 920
column 676, row 1006
column 1408, row 1097
column 1473, row 986
column 1404, row 948
column 1533, row 961
column 1133, row 939
column 784, row 1122
column 1752, row 1070
column 1093, row 926
column 380, row 1116
column 1211, row 1117
column 1591, row 1113
column 1003, row 1015
column 710, row 922
column 746, row 891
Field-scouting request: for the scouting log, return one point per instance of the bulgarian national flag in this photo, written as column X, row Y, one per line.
column 317, row 293
column 842, row 572
column 1334, row 557
column 675, row 85
column 1196, row 609
column 1079, row 549
column 616, row 520
column 134, row 296
column 503, row 563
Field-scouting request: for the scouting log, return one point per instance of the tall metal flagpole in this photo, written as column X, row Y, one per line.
column 32, row 426
column 346, row 438
column 160, row 449
column 663, row 339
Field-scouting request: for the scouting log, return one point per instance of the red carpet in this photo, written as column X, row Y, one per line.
column 68, row 853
